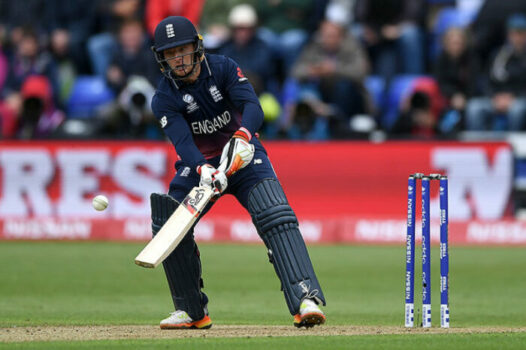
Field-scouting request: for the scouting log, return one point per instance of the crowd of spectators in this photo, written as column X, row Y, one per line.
column 323, row 69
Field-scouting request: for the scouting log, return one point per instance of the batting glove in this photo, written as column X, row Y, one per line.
column 237, row 153
column 212, row 177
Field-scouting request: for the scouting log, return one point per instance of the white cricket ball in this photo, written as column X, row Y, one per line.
column 100, row 202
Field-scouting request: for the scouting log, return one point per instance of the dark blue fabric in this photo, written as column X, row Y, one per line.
column 239, row 185
column 174, row 31
column 183, row 266
column 200, row 118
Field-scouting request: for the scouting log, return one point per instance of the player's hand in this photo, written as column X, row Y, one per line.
column 212, row 177
column 237, row 153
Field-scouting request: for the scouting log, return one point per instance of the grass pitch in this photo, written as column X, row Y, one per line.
column 46, row 284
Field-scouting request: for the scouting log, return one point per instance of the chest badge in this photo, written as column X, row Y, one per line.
column 192, row 105
column 216, row 95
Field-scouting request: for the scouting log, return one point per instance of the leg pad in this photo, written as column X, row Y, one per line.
column 183, row 266
column 278, row 227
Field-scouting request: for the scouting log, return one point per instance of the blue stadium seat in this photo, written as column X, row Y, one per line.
column 375, row 85
column 88, row 94
column 520, row 170
column 452, row 17
column 401, row 86
column 447, row 18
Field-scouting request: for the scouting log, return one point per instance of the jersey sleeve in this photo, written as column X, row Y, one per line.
column 177, row 130
column 242, row 94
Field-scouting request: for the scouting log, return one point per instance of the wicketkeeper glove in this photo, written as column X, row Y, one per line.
column 212, row 177
column 237, row 153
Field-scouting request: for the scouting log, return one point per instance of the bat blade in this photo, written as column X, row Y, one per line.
column 175, row 228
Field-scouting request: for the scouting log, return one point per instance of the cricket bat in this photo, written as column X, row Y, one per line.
column 175, row 228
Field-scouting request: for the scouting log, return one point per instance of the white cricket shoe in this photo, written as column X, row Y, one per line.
column 180, row 320
column 309, row 314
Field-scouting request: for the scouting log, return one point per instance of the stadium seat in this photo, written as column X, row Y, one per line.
column 88, row 94
column 375, row 85
column 400, row 87
column 447, row 18
column 289, row 91
column 452, row 17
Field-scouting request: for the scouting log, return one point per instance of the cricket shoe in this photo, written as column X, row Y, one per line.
column 180, row 320
column 309, row 315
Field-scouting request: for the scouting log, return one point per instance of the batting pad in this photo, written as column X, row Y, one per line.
column 163, row 207
column 278, row 227
column 183, row 266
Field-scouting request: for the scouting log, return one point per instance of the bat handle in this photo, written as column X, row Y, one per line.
column 216, row 195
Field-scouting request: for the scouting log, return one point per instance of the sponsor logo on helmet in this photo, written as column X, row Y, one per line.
column 170, row 30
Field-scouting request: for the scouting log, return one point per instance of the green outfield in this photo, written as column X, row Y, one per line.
column 49, row 284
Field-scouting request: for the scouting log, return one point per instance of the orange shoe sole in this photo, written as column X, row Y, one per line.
column 203, row 323
column 309, row 320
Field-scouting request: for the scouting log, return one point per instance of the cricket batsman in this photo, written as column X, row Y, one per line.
column 210, row 113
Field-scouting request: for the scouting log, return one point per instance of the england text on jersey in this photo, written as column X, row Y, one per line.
column 209, row 126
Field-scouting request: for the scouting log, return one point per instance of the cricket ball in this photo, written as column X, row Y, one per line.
column 100, row 202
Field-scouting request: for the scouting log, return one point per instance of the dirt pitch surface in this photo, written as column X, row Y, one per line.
column 79, row 333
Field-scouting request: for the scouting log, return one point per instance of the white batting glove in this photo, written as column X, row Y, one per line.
column 237, row 153
column 212, row 177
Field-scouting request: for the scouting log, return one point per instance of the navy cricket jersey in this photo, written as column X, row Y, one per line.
column 201, row 117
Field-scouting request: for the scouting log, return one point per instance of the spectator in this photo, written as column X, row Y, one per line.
column 331, row 72
column 417, row 120
column 4, row 68
column 70, row 23
column 157, row 10
column 9, row 109
column 284, row 27
column 29, row 59
column 131, row 115
column 133, row 57
column 15, row 16
column 38, row 117
column 66, row 69
column 507, row 79
column 340, row 11
column 420, row 112
column 215, row 36
column 257, row 61
column 252, row 54
column 489, row 26
column 456, row 72
column 391, row 31
column 110, row 15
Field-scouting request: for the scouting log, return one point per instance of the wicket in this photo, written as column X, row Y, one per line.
column 426, row 250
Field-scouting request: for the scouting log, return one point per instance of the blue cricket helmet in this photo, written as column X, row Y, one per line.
column 175, row 31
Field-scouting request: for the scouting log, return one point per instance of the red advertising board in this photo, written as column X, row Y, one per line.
column 341, row 191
